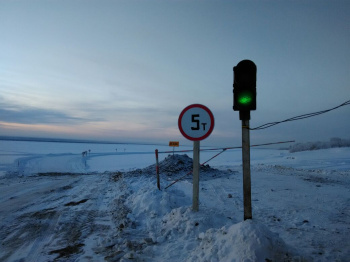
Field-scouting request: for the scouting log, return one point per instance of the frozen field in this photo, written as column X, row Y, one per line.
column 106, row 206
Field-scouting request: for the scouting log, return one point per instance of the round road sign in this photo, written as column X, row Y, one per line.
column 196, row 122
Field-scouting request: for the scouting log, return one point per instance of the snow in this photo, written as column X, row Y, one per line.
column 58, row 205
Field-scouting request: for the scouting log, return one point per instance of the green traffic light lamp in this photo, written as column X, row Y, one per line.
column 244, row 88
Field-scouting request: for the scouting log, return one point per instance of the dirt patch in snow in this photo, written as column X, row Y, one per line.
column 67, row 251
column 72, row 203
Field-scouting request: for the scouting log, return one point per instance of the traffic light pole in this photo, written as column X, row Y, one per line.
column 244, row 100
column 247, row 201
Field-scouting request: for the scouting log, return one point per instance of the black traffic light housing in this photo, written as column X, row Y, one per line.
column 244, row 88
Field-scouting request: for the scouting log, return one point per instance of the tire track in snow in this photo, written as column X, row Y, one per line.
column 78, row 219
column 53, row 223
column 31, row 217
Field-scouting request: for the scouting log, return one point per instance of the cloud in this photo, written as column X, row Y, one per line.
column 12, row 113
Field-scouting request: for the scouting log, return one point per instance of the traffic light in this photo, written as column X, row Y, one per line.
column 244, row 88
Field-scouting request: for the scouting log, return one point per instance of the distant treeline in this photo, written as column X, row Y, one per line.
column 334, row 142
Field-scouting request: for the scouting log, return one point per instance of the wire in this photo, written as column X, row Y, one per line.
column 224, row 148
column 300, row 117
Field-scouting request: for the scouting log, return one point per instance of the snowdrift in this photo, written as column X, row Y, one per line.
column 161, row 225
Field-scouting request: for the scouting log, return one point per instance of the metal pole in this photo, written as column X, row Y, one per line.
column 246, row 170
column 196, row 146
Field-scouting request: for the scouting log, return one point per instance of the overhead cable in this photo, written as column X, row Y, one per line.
column 300, row 117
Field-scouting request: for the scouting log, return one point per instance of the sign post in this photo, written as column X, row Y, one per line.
column 174, row 144
column 196, row 166
column 196, row 122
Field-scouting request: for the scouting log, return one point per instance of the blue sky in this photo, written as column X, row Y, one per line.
column 124, row 70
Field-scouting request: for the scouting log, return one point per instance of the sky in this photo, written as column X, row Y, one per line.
column 124, row 70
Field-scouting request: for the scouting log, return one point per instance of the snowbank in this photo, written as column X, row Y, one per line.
column 161, row 226
column 244, row 241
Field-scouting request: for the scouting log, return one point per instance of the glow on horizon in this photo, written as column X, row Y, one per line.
column 110, row 69
column 99, row 131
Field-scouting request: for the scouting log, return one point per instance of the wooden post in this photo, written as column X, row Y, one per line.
column 246, row 170
column 157, row 170
column 196, row 145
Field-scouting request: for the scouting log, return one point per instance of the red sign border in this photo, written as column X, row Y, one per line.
column 211, row 119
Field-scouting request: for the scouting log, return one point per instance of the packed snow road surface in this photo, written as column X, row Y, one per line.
column 54, row 217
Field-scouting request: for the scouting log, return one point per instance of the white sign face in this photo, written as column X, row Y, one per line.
column 196, row 122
